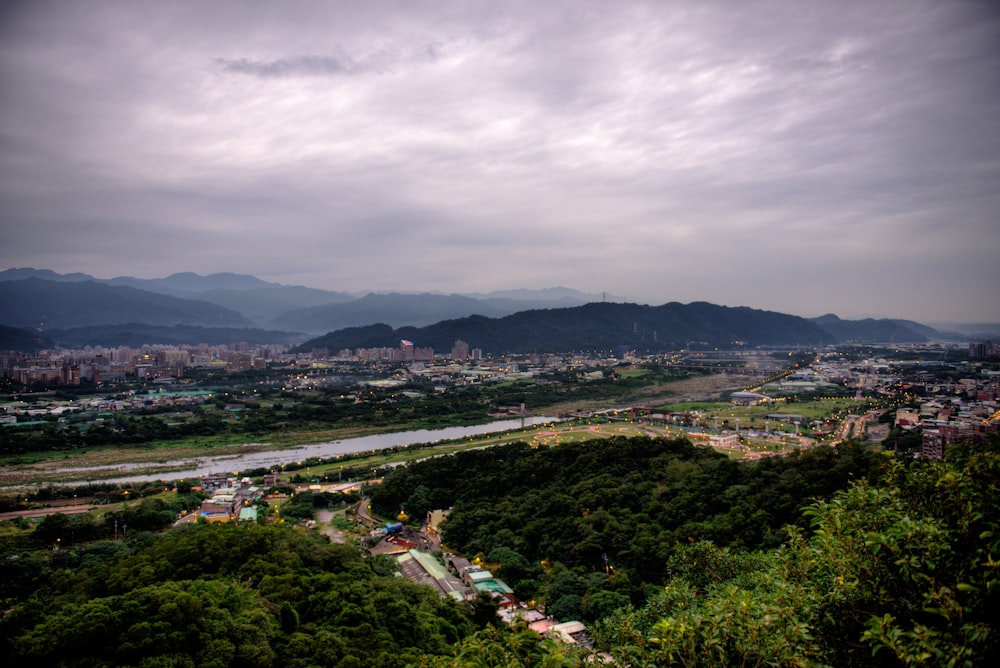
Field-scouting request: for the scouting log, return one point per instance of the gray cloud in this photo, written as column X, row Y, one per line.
column 802, row 157
column 297, row 66
column 384, row 61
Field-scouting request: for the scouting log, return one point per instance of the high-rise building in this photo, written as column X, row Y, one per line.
column 460, row 351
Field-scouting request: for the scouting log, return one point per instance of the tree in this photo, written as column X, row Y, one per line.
column 601, row 603
column 485, row 609
column 905, row 571
column 419, row 503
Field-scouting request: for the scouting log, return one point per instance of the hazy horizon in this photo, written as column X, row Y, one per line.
column 990, row 326
column 801, row 158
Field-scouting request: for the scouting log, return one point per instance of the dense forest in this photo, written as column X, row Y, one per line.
column 674, row 555
column 902, row 572
column 220, row 595
column 899, row 570
column 590, row 526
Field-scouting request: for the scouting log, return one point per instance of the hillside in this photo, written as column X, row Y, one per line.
column 394, row 309
column 871, row 330
column 41, row 304
column 595, row 327
column 422, row 309
column 22, row 340
column 678, row 555
column 139, row 334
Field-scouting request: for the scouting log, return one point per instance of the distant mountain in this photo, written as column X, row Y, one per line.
column 556, row 295
column 598, row 326
column 190, row 282
column 257, row 300
column 425, row 308
column 22, row 340
column 40, row 304
column 137, row 334
column 871, row 330
column 43, row 299
column 394, row 309
column 263, row 305
column 299, row 308
column 18, row 274
column 966, row 331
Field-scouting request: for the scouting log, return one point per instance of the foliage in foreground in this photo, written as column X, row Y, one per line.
column 224, row 595
column 519, row 647
column 903, row 570
column 904, row 573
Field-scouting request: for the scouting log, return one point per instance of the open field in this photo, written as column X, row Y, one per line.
column 540, row 435
column 698, row 388
column 818, row 409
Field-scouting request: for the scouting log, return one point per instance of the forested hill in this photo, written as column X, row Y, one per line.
column 596, row 326
column 22, row 340
column 629, row 501
column 893, row 561
column 897, row 567
column 219, row 595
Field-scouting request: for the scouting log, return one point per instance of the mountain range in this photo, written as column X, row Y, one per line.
column 613, row 326
column 77, row 309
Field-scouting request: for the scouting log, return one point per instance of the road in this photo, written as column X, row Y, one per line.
column 52, row 510
column 363, row 514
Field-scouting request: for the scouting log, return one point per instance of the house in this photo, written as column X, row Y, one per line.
column 434, row 519
column 571, row 633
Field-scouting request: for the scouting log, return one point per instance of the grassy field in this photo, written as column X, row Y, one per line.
column 698, row 388
column 540, row 435
column 811, row 410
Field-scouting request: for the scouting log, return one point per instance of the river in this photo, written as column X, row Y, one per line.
column 193, row 468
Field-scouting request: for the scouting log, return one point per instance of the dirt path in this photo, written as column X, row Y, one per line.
column 323, row 519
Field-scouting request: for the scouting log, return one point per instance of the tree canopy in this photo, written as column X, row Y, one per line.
column 611, row 512
column 224, row 595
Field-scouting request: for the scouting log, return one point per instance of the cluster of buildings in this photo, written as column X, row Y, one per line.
column 944, row 421
column 945, row 402
column 458, row 578
column 164, row 363
column 20, row 412
column 232, row 499
column 98, row 364
column 984, row 350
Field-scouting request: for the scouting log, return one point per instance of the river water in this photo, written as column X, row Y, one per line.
column 193, row 468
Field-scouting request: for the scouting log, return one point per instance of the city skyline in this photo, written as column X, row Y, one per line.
column 798, row 158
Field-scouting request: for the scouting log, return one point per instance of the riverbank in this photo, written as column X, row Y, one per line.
column 237, row 458
column 172, row 460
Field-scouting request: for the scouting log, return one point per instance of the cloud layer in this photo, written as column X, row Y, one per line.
column 801, row 157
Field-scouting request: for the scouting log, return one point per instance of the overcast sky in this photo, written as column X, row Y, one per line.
column 798, row 156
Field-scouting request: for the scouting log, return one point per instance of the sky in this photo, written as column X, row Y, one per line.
column 798, row 156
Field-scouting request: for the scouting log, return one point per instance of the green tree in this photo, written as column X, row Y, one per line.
column 485, row 609
column 905, row 571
